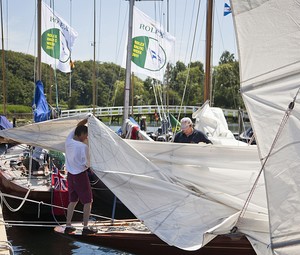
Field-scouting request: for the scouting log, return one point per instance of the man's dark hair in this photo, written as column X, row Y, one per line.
column 82, row 129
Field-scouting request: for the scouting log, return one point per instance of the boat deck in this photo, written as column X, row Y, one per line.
column 14, row 173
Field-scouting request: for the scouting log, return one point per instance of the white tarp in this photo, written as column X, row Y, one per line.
column 268, row 35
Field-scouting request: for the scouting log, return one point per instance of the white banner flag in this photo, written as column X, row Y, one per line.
column 57, row 40
column 151, row 46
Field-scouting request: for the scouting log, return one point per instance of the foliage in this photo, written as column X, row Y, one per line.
column 73, row 100
column 226, row 82
column 11, row 109
column 183, row 84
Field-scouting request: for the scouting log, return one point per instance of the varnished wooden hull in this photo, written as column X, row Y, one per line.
column 40, row 209
column 146, row 243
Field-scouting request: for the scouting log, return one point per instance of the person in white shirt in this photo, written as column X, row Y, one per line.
column 79, row 187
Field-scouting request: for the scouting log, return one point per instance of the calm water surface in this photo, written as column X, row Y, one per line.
column 44, row 241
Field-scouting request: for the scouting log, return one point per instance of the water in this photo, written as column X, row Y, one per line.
column 44, row 241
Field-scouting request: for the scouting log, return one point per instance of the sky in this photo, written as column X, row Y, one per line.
column 19, row 19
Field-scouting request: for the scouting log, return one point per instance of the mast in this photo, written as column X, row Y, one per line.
column 94, row 63
column 128, row 63
column 208, row 55
column 39, row 42
column 3, row 65
column 168, row 66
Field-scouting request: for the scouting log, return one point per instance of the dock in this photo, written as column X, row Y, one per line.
column 5, row 246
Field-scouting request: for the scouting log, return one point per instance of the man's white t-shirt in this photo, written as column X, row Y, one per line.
column 77, row 157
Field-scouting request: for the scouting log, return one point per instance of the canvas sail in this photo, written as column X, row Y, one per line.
column 268, row 35
column 50, row 134
column 185, row 194
column 195, row 191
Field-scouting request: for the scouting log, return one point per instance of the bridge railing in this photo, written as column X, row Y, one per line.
column 142, row 109
column 118, row 110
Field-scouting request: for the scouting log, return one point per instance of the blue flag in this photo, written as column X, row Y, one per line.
column 227, row 9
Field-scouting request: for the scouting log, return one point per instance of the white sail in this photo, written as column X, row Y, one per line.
column 186, row 194
column 268, row 35
column 196, row 191
column 49, row 134
column 212, row 122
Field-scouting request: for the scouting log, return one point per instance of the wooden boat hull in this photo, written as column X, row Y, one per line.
column 150, row 244
column 36, row 206
column 146, row 243
column 42, row 199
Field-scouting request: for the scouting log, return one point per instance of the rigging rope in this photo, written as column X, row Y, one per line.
column 2, row 195
column 6, row 245
column 192, row 49
column 281, row 127
column 47, row 204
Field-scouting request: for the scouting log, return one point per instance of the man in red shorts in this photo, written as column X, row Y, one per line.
column 77, row 165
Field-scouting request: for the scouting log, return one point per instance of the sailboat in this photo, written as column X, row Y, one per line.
column 35, row 185
column 188, row 195
column 187, row 214
column 270, row 89
column 185, row 194
column 25, row 173
column 166, row 182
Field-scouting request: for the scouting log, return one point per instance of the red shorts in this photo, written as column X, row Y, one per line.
column 79, row 188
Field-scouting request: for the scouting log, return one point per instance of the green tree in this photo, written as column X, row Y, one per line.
column 110, row 79
column 226, row 91
column 73, row 100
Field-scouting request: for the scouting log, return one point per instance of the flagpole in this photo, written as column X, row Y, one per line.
column 94, row 63
column 39, row 41
column 70, row 76
column 208, row 55
column 128, row 65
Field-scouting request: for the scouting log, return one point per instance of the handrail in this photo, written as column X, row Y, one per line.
column 139, row 110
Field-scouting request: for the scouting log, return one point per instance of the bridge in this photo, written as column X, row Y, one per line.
column 143, row 110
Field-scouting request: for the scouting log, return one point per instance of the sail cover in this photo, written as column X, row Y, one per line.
column 268, row 36
column 40, row 106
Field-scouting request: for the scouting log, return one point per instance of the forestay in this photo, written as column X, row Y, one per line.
column 268, row 35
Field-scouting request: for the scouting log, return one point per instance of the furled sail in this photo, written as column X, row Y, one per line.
column 268, row 36
column 40, row 106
